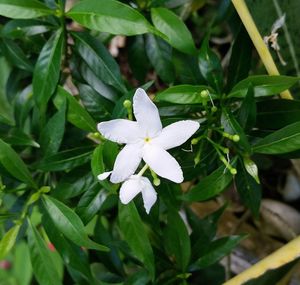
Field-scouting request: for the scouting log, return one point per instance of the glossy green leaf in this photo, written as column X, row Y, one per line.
column 76, row 114
column 183, row 94
column 8, row 240
column 160, row 55
column 14, row 164
column 73, row 256
column 137, row 57
column 65, row 160
column 44, row 269
column 109, row 16
column 276, row 114
column 23, row 9
column 247, row 112
column 284, row 140
column 240, row 59
column 18, row 137
column 68, row 222
column 218, row 249
column 263, row 85
column 52, row 134
column 98, row 106
column 47, row 69
column 187, row 69
column 231, row 126
column 210, row 186
column 176, row 32
column 248, row 188
column 99, row 60
column 16, row 55
column 210, row 66
column 90, row 203
column 177, row 240
column 22, row 266
column 134, row 233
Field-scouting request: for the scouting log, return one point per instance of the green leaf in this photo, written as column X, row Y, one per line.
column 52, row 134
column 47, row 69
column 248, row 188
column 183, row 94
column 210, row 66
column 251, row 168
column 264, row 85
column 18, row 137
column 90, row 203
column 109, row 16
column 232, row 127
column 276, row 114
column 134, row 233
column 210, row 186
column 74, row 257
column 98, row 106
column 284, row 140
column 16, row 55
column 44, row 268
column 99, row 60
column 23, row 9
column 68, row 222
column 187, row 69
column 76, row 114
column 217, row 250
column 137, row 57
column 8, row 240
column 22, row 266
column 174, row 29
column 160, row 55
column 14, row 164
column 240, row 59
column 247, row 111
column 65, row 160
column 177, row 240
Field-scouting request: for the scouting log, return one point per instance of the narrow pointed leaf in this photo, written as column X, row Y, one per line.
column 68, row 222
column 8, row 241
column 134, row 232
column 174, row 29
column 23, row 9
column 47, row 69
column 109, row 16
column 14, row 164
column 44, row 268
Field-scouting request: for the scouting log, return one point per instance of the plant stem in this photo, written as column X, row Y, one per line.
column 282, row 256
column 142, row 171
column 258, row 42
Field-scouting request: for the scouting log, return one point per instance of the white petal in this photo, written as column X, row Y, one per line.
column 120, row 130
column 130, row 189
column 146, row 113
column 126, row 162
column 104, row 175
column 176, row 134
column 162, row 163
column 149, row 194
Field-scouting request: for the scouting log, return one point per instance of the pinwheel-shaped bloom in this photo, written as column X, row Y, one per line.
column 146, row 139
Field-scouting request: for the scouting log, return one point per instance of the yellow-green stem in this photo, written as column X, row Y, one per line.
column 258, row 42
column 282, row 256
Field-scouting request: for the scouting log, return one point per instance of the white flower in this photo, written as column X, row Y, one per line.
column 146, row 139
column 133, row 186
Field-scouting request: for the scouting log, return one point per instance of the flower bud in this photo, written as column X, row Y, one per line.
column 214, row 109
column 204, row 94
column 127, row 104
column 235, row 138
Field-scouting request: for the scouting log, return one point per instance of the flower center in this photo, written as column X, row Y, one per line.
column 147, row 139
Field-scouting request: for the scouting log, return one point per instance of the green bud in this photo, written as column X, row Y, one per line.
column 233, row 171
column 235, row 138
column 204, row 94
column 214, row 109
column 156, row 181
column 127, row 104
column 194, row 141
column 196, row 160
column 44, row 189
